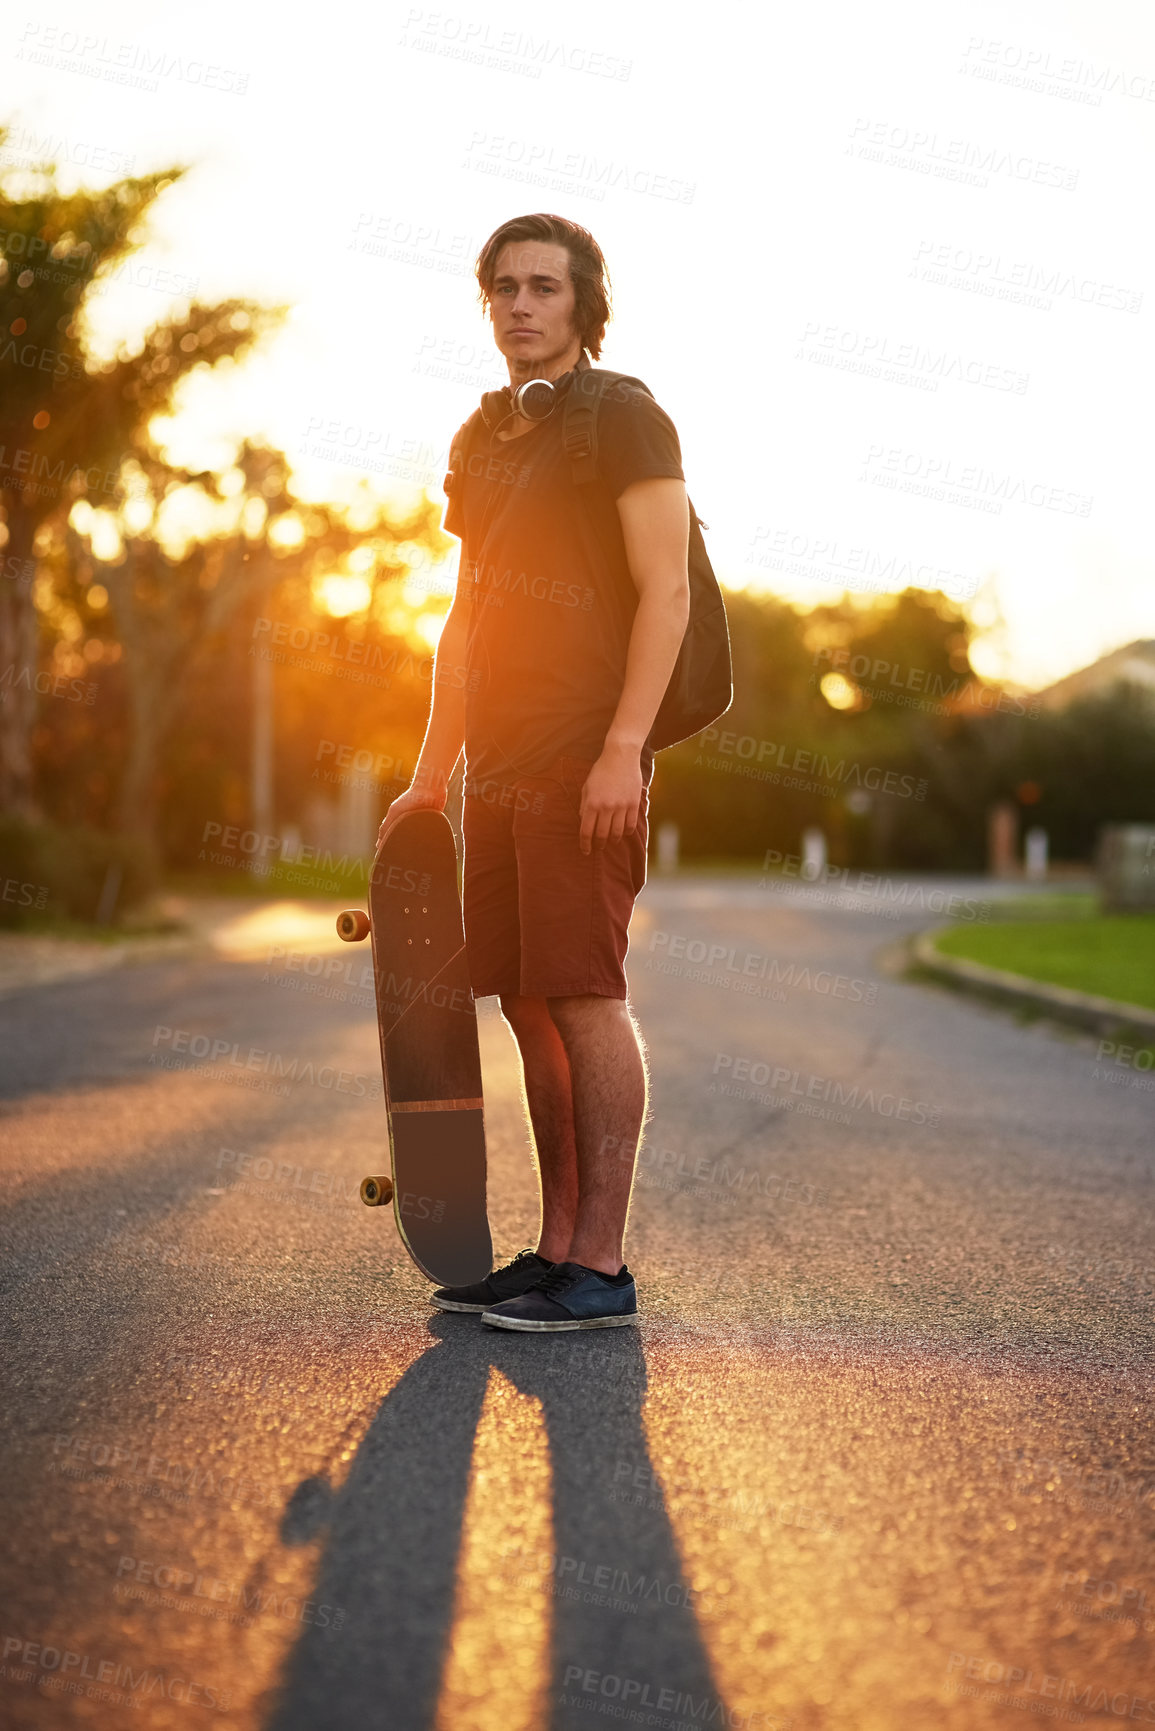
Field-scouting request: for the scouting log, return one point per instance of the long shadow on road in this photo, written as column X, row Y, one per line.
column 394, row 1530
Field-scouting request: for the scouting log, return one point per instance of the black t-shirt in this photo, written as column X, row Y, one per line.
column 551, row 599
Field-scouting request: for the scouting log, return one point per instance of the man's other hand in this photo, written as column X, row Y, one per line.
column 611, row 797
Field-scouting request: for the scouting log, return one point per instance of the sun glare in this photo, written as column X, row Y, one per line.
column 839, row 692
column 430, row 626
column 340, row 595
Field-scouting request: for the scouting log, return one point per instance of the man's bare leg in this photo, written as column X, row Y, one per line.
column 609, row 1093
column 549, row 1095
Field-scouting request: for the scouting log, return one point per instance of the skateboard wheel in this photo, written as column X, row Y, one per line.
column 353, row 925
column 376, row 1192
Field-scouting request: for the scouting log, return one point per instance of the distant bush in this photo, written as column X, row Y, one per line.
column 51, row 873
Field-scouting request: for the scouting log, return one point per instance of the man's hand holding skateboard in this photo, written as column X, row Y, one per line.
column 427, row 791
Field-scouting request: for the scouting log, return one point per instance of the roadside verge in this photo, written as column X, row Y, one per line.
column 1080, row 1009
column 231, row 930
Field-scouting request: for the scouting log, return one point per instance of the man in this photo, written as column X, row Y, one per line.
column 570, row 610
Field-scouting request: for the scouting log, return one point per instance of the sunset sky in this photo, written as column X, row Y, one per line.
column 890, row 269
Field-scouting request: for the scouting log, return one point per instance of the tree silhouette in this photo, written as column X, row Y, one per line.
column 170, row 604
column 67, row 420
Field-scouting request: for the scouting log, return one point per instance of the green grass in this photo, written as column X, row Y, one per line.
column 1111, row 955
column 1045, row 905
column 247, row 886
column 137, row 924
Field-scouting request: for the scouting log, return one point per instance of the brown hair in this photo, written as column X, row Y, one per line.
column 587, row 269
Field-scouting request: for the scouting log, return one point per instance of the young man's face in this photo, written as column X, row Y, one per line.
column 532, row 307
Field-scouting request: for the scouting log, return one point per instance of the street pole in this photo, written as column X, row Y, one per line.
column 261, row 784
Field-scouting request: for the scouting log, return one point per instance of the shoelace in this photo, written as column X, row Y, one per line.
column 522, row 1256
column 559, row 1279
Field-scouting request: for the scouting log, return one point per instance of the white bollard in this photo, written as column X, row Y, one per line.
column 813, row 854
column 1036, row 854
column 669, row 838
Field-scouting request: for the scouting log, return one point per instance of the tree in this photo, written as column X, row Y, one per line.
column 68, row 420
column 839, row 720
column 172, row 597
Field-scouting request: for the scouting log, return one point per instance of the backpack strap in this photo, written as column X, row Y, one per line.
column 580, row 417
column 579, row 430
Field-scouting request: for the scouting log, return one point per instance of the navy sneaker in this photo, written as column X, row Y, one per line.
column 570, row 1296
column 511, row 1281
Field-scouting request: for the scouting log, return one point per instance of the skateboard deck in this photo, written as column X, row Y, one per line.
column 430, row 1060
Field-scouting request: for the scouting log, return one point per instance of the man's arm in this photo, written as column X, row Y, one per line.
column 445, row 733
column 655, row 518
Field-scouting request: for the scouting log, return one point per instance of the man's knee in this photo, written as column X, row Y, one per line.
column 586, row 1011
column 524, row 1015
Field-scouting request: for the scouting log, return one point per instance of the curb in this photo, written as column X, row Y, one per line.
column 1082, row 1009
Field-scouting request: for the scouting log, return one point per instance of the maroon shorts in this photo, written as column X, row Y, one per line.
column 542, row 919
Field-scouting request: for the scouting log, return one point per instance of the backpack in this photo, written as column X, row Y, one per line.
column 701, row 686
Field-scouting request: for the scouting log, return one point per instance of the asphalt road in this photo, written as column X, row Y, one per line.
column 879, row 1455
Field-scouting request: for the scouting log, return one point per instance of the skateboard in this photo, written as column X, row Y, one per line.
column 430, row 1060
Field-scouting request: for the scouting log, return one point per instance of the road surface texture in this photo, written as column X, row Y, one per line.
column 879, row 1455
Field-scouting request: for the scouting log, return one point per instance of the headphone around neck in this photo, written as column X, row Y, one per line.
column 535, row 400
